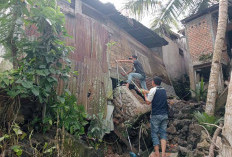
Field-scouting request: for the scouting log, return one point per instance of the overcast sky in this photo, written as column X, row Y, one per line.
column 119, row 5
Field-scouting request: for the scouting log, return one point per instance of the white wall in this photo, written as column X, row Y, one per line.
column 175, row 63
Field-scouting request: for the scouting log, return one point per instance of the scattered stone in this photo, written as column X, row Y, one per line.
column 204, row 135
column 171, row 129
column 203, row 145
column 183, row 130
column 198, row 153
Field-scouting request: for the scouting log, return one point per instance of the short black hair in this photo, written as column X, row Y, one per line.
column 134, row 56
column 157, row 80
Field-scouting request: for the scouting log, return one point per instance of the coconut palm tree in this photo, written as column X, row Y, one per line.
column 227, row 129
column 217, row 55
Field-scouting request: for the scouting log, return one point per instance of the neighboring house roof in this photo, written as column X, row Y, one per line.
column 140, row 32
column 205, row 11
column 214, row 7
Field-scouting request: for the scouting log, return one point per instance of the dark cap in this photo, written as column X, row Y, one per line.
column 134, row 56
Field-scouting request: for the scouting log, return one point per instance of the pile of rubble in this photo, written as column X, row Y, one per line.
column 185, row 136
column 184, row 131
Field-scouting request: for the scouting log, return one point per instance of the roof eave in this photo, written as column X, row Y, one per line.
column 194, row 16
column 110, row 11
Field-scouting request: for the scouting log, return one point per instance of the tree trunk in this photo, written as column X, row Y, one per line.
column 227, row 130
column 216, row 62
column 128, row 106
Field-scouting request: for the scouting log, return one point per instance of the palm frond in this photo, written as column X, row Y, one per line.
column 139, row 7
column 169, row 12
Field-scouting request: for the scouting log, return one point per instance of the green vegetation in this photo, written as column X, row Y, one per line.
column 32, row 33
column 200, row 92
column 97, row 129
column 206, row 57
column 11, row 139
column 71, row 115
column 206, row 120
column 40, row 62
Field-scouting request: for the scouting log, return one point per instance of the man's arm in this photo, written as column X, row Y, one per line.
column 149, row 95
column 144, row 91
column 146, row 99
column 126, row 61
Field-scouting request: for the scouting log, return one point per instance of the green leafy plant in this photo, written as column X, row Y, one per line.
column 205, row 119
column 17, row 149
column 97, row 129
column 45, row 150
column 33, row 32
column 110, row 44
column 11, row 140
column 71, row 115
column 200, row 92
column 206, row 57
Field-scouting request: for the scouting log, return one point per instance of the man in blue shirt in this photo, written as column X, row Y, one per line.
column 157, row 97
column 139, row 72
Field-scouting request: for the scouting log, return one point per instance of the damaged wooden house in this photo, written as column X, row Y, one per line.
column 200, row 32
column 100, row 35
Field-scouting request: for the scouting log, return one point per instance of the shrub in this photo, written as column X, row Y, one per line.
column 203, row 118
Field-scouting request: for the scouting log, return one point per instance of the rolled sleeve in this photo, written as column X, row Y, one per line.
column 151, row 94
column 135, row 62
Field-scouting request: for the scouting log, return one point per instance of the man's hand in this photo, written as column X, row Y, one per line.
column 123, row 74
column 142, row 91
column 145, row 92
column 126, row 61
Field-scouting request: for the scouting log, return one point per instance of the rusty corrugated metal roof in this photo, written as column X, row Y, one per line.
column 140, row 32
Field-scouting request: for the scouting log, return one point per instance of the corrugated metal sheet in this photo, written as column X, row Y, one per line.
column 90, row 60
